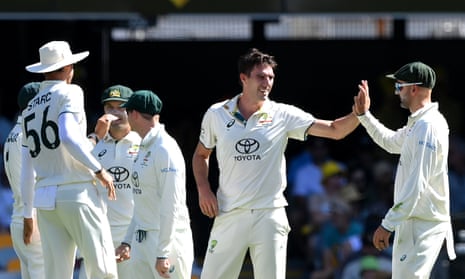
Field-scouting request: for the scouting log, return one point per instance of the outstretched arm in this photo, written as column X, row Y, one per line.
column 341, row 127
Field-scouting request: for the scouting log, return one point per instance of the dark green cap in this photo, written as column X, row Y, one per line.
column 416, row 72
column 116, row 93
column 144, row 101
column 26, row 93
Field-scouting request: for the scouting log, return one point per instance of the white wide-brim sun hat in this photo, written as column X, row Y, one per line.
column 55, row 55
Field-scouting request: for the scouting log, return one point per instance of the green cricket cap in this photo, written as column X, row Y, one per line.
column 116, row 93
column 26, row 93
column 416, row 72
column 144, row 101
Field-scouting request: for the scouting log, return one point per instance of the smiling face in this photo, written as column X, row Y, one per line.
column 259, row 82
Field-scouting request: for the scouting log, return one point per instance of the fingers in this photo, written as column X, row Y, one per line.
column 111, row 192
column 380, row 245
column 210, row 210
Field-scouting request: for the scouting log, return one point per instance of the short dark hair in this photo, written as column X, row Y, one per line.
column 252, row 58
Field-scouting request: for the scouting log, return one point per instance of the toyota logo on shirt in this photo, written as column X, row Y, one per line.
column 119, row 173
column 246, row 147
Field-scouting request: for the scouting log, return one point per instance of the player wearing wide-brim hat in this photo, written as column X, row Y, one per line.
column 55, row 55
column 69, row 209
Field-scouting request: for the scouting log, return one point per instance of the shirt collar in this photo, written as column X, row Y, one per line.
column 152, row 135
column 109, row 138
column 232, row 107
column 423, row 110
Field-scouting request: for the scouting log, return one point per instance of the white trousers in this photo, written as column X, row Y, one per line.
column 143, row 255
column 416, row 247
column 78, row 220
column 125, row 270
column 30, row 256
column 263, row 232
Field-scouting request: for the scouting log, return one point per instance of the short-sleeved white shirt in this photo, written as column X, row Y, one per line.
column 250, row 153
column 117, row 157
column 52, row 162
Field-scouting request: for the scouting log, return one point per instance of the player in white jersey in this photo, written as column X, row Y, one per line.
column 116, row 150
column 420, row 215
column 160, row 237
column 250, row 133
column 30, row 256
column 69, row 207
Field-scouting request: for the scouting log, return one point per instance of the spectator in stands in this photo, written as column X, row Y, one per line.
column 368, row 260
column 340, row 237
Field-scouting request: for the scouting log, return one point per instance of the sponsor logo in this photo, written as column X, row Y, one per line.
column 230, row 123
column 427, row 145
column 168, row 170
column 211, row 248
column 119, row 173
column 135, row 181
column 246, row 148
column 101, row 153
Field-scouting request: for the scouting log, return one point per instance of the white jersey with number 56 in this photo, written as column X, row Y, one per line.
column 52, row 162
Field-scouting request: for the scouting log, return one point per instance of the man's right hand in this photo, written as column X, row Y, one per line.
column 107, row 181
column 103, row 125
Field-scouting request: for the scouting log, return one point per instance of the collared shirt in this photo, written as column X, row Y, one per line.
column 159, row 179
column 250, row 153
column 421, row 188
column 117, row 157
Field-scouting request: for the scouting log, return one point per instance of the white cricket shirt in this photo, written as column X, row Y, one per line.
column 117, row 157
column 12, row 163
column 53, row 164
column 159, row 179
column 250, row 153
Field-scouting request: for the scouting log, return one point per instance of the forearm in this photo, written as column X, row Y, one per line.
column 200, row 169
column 334, row 129
column 345, row 125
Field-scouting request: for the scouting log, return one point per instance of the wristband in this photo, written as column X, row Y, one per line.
column 98, row 172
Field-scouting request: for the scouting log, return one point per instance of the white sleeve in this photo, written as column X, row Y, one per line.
column 389, row 140
column 73, row 140
column 27, row 182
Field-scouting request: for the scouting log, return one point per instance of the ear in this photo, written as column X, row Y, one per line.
column 242, row 77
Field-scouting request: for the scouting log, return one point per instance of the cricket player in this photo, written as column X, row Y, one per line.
column 116, row 149
column 160, row 239
column 250, row 133
column 420, row 214
column 30, row 256
column 69, row 207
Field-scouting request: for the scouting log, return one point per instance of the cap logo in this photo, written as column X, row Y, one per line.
column 115, row 94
